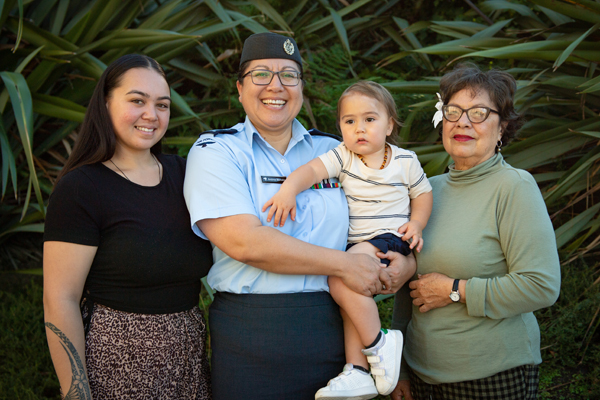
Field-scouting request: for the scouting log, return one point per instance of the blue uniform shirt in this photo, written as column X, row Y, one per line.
column 224, row 177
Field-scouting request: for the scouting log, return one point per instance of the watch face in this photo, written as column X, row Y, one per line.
column 454, row 296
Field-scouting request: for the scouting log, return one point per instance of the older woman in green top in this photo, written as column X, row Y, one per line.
column 491, row 259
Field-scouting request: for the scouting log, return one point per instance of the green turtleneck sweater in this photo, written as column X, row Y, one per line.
column 489, row 225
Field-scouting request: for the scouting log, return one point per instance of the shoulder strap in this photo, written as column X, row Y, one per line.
column 228, row 131
column 316, row 132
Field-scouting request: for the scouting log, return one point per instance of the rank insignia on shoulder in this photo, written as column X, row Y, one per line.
column 205, row 142
column 316, row 132
column 228, row 131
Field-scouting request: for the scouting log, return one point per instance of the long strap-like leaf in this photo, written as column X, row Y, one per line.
column 8, row 162
column 22, row 104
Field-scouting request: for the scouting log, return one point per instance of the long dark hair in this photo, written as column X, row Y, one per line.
column 96, row 140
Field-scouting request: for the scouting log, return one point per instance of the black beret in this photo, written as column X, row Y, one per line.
column 270, row 45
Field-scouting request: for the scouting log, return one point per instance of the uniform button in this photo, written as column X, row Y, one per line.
column 304, row 234
column 304, row 207
column 283, row 161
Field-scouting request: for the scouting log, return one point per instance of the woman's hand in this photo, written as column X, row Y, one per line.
column 431, row 291
column 400, row 270
column 402, row 390
column 362, row 274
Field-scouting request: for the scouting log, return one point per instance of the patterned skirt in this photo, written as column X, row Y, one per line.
column 146, row 356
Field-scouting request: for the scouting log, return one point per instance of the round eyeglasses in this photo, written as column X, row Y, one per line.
column 264, row 77
column 475, row 114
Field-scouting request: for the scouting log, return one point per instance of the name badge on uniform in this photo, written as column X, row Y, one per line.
column 325, row 184
column 273, row 179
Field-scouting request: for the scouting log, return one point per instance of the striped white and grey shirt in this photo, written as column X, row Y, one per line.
column 378, row 199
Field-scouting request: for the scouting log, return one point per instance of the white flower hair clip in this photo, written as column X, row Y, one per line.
column 437, row 117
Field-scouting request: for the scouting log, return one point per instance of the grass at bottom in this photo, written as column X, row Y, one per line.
column 26, row 370
column 571, row 336
column 570, row 340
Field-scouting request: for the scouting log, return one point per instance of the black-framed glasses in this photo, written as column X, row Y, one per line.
column 475, row 114
column 264, row 77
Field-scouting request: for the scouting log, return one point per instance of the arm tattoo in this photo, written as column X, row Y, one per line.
column 80, row 386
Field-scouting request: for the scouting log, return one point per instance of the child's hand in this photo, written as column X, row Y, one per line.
column 413, row 230
column 281, row 205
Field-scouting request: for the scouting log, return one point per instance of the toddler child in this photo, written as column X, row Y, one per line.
column 386, row 188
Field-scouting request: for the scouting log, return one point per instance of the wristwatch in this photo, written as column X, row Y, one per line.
column 455, row 294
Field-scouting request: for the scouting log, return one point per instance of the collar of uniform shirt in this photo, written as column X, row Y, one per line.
column 299, row 133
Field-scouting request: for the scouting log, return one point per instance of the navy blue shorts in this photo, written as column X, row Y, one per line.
column 386, row 242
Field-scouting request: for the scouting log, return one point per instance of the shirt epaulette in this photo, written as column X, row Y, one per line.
column 228, row 131
column 316, row 132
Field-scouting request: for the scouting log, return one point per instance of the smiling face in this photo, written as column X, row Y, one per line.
column 273, row 107
column 139, row 109
column 365, row 124
column 467, row 143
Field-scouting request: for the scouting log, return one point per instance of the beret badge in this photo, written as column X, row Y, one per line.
column 288, row 47
column 268, row 45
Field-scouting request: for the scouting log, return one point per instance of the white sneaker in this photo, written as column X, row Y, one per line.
column 384, row 359
column 351, row 384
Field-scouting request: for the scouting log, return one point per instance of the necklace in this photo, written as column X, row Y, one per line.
column 126, row 177
column 385, row 156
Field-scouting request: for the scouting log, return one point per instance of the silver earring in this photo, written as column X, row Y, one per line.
column 499, row 145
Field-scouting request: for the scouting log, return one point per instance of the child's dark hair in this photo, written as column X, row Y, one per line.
column 375, row 91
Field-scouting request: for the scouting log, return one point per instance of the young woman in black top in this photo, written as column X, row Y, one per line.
column 122, row 268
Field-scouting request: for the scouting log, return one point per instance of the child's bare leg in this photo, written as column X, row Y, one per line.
column 355, row 381
column 362, row 330
column 352, row 343
column 361, row 310
column 361, row 317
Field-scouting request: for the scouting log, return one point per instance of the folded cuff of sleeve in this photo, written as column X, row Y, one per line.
column 218, row 212
column 476, row 288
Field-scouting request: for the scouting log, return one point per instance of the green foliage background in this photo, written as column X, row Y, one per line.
column 53, row 51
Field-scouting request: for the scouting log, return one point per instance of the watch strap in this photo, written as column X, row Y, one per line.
column 455, row 285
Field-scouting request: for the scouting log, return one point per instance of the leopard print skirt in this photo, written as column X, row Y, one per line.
column 147, row 356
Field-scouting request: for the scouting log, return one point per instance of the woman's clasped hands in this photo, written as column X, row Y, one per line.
column 368, row 276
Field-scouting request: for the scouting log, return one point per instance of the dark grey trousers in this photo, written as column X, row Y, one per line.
column 274, row 346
